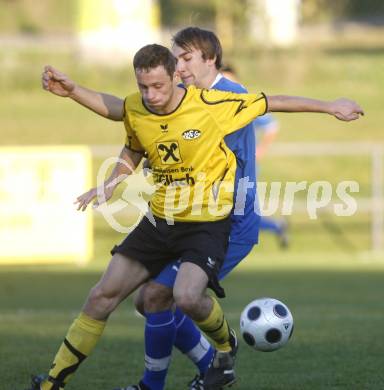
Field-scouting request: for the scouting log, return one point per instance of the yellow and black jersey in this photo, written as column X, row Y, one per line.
column 191, row 164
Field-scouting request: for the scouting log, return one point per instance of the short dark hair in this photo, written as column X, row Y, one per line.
column 152, row 56
column 204, row 40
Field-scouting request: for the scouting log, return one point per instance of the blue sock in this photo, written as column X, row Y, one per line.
column 160, row 333
column 190, row 341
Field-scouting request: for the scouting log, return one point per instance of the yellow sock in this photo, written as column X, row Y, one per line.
column 215, row 326
column 81, row 338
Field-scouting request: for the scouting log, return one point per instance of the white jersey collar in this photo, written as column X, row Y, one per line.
column 216, row 80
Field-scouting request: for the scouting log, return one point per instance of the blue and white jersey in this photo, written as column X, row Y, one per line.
column 245, row 227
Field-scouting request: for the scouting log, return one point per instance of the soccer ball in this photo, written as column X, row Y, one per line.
column 266, row 324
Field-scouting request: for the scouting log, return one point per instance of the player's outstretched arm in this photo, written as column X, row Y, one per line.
column 125, row 166
column 58, row 83
column 343, row 109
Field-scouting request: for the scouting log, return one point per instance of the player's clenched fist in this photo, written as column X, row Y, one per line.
column 346, row 110
column 57, row 82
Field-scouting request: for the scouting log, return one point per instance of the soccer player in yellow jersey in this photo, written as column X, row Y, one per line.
column 182, row 128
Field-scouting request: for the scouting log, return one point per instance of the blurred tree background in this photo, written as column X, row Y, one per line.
column 57, row 16
column 37, row 17
column 338, row 41
column 367, row 11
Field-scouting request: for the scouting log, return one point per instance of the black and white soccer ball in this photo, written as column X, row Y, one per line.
column 266, row 324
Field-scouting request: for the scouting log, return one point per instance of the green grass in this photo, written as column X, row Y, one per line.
column 333, row 289
column 337, row 342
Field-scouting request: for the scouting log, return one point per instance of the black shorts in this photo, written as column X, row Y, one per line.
column 202, row 243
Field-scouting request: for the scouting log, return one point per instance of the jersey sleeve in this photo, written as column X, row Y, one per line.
column 131, row 140
column 232, row 111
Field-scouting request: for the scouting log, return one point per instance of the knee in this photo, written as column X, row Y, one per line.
column 154, row 297
column 102, row 300
column 188, row 302
column 139, row 301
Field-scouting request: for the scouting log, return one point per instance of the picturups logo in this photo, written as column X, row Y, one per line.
column 132, row 198
column 181, row 195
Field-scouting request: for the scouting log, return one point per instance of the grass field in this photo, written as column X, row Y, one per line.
column 331, row 282
column 337, row 344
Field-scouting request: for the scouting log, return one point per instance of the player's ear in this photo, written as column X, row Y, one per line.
column 211, row 61
column 176, row 77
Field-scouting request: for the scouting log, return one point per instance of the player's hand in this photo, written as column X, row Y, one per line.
column 85, row 199
column 56, row 82
column 346, row 110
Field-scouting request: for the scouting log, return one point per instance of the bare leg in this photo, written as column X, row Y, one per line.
column 153, row 297
column 189, row 292
column 190, row 296
column 121, row 278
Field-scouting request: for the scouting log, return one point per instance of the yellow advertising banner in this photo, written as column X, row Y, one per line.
column 38, row 221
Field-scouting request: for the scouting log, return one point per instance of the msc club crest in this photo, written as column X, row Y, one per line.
column 191, row 134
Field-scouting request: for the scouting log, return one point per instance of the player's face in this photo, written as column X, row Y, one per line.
column 192, row 68
column 156, row 87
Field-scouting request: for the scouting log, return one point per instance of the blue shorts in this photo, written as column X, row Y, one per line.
column 235, row 253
